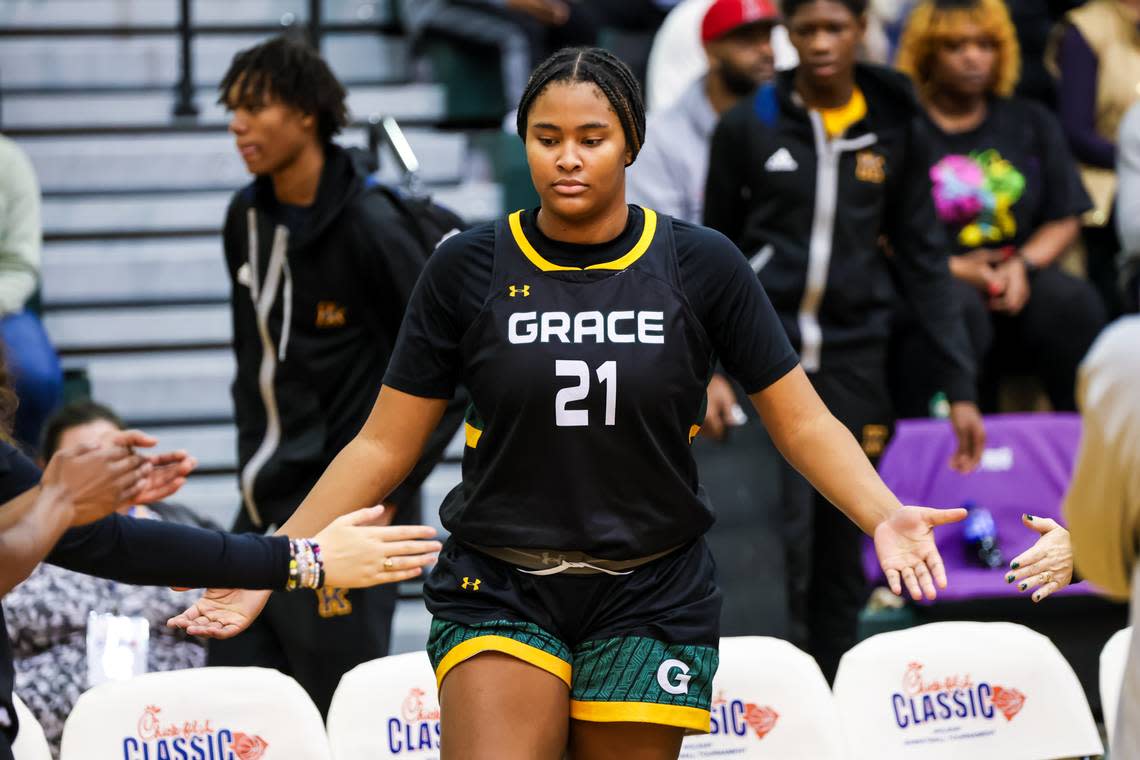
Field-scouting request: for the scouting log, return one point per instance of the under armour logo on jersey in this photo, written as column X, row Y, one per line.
column 523, row 291
column 470, row 585
column 673, row 676
column 781, row 161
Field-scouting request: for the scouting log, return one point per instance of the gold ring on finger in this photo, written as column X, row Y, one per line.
column 389, row 564
column 1047, row 576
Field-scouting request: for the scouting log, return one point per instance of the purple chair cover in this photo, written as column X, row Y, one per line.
column 1026, row 468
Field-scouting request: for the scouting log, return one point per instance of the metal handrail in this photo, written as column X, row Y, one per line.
column 314, row 29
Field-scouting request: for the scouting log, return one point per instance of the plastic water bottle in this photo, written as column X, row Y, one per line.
column 981, row 536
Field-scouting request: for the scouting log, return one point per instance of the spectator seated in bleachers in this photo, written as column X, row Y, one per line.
column 33, row 362
column 1006, row 187
column 1095, row 54
column 47, row 614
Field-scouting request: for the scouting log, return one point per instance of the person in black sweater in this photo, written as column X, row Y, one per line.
column 1006, row 187
column 322, row 264
column 808, row 177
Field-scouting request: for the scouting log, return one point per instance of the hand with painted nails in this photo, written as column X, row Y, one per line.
column 1047, row 566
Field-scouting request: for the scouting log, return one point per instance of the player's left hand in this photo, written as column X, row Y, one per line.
column 904, row 543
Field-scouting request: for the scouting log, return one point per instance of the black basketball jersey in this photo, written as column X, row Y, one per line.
column 588, row 386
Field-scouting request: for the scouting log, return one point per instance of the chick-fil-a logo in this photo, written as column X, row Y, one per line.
column 953, row 697
column 735, row 717
column 416, row 729
column 189, row 740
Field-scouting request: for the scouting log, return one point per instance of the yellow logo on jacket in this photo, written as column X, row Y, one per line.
column 331, row 314
column 520, row 290
column 333, row 602
column 870, row 167
column 470, row 585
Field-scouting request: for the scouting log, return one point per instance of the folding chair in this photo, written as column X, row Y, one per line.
column 1112, row 660
column 222, row 713
column 386, row 708
column 960, row 689
column 30, row 742
column 770, row 702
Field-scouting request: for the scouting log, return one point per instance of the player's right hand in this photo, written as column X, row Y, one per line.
column 221, row 613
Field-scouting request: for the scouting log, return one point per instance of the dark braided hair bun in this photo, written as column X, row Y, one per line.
column 602, row 68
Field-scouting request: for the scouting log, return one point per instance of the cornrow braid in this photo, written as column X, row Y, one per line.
column 602, row 68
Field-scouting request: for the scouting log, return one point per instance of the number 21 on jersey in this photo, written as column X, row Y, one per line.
column 607, row 376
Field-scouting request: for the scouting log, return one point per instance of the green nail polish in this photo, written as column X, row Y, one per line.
column 1029, row 518
column 1009, row 579
column 1013, row 565
column 1023, row 586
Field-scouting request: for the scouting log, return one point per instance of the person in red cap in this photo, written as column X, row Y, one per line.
column 669, row 177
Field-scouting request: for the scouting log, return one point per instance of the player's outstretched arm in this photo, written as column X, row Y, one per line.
column 826, row 453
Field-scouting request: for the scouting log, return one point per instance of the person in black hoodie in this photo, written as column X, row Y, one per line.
column 808, row 177
column 322, row 265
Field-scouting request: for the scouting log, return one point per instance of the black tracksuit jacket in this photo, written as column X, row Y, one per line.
column 811, row 214
column 315, row 317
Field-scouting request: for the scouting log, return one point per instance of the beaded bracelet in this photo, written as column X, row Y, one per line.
column 306, row 569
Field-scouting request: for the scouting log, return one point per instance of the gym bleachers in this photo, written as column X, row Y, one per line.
column 134, row 288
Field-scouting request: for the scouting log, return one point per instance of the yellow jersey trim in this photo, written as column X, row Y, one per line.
column 472, row 434
column 692, row 718
column 693, row 432
column 635, row 253
column 837, row 120
column 491, row 643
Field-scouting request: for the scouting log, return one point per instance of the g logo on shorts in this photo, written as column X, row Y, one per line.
column 681, row 686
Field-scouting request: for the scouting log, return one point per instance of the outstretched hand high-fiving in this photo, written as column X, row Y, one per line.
column 904, row 543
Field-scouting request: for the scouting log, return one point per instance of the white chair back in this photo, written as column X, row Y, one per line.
column 770, row 702
column 1112, row 660
column 30, row 742
column 959, row 689
column 386, row 708
column 221, row 713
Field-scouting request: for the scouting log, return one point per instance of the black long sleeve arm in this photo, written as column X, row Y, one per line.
column 157, row 553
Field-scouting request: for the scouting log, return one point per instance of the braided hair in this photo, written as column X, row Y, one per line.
column 602, row 68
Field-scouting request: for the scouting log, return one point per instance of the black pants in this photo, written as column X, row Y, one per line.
column 314, row 636
column 826, row 584
column 5, row 747
column 1101, row 248
column 1048, row 339
column 742, row 478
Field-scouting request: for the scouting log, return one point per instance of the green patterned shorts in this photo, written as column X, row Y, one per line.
column 621, row 669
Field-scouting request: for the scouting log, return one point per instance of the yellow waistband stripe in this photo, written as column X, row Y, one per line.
column 491, row 643
column 692, row 718
column 647, row 233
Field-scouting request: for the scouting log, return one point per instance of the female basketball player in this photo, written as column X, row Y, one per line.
column 575, row 606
